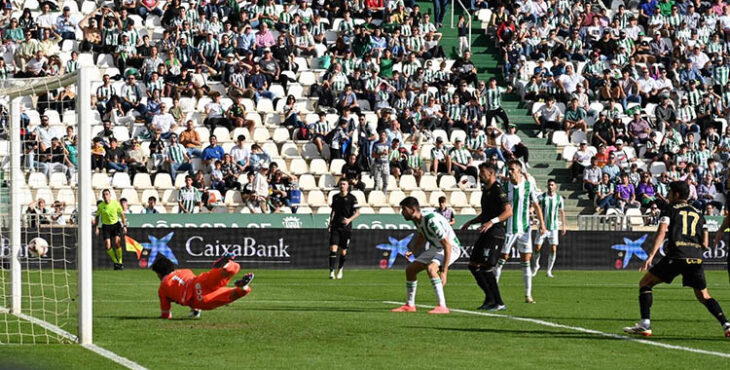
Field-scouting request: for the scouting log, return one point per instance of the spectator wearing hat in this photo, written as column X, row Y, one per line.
column 612, row 168
column 592, row 178
column 440, row 160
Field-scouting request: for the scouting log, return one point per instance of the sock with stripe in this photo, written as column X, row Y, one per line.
column 439, row 289
column 119, row 255
column 527, row 277
column 716, row 310
column 411, row 287
column 646, row 297
column 333, row 260
column 498, row 268
column 551, row 261
column 112, row 254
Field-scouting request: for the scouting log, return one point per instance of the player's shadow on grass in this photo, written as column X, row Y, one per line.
column 311, row 309
column 618, row 320
column 567, row 334
column 135, row 318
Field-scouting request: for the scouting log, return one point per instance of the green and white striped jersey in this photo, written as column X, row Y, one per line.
column 720, row 75
column 189, row 197
column 460, row 156
column 435, row 228
column 494, row 97
column 521, row 196
column 551, row 206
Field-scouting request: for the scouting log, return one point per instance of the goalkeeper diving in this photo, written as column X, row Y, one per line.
column 207, row 291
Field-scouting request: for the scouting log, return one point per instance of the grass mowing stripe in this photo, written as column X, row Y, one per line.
column 579, row 329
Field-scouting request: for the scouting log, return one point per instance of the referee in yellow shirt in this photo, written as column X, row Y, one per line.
column 108, row 213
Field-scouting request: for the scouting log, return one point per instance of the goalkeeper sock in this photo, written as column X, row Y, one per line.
column 439, row 289
column 498, row 268
column 119, row 255
column 333, row 260
column 411, row 287
column 113, row 255
column 343, row 257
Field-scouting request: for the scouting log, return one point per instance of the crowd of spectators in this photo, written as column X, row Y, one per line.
column 645, row 83
column 383, row 91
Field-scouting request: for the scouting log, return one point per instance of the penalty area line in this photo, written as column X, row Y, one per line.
column 580, row 329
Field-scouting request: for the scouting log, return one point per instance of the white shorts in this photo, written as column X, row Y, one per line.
column 523, row 242
column 436, row 255
column 551, row 236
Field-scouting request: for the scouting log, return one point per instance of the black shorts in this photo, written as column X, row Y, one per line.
column 693, row 274
column 486, row 250
column 340, row 237
column 110, row 231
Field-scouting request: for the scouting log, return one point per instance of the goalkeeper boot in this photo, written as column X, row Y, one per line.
column 726, row 327
column 244, row 281
column 638, row 329
column 194, row 314
column 221, row 262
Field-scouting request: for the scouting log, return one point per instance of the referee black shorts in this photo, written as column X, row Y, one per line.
column 486, row 250
column 340, row 237
column 693, row 274
column 110, row 231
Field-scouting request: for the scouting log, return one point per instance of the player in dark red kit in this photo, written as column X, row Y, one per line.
column 687, row 238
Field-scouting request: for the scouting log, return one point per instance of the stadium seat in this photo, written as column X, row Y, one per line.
column 277, row 90
column 222, row 134
column 360, row 196
column 475, row 199
column 386, row 211
column 447, row 182
column 136, row 209
column 318, row 167
column 66, row 195
column 271, row 149
column 261, row 134
column 336, row 166
column 367, row 210
column 433, row 199
column 270, row 119
column 307, row 182
column 100, row 181
column 295, row 90
column 131, row 196
column 121, row 180
column 180, row 180
column 458, row 134
column 47, row 195
column 298, row 166
column 233, row 198
column 408, row 183
column 377, row 199
column 468, row 211
column 142, row 181
column 309, row 151
column 163, row 181
column 265, row 106
column 560, row 138
column 315, row 198
column 26, row 197
column 281, row 134
column 290, row 150
column 657, row 168
column 420, row 196
column 395, row 197
column 324, row 210
column 458, row 199
column 103, row 60
column 634, row 216
column 37, row 180
column 440, row 133
column 577, row 136
column 147, row 193
column 327, row 181
column 569, row 152
column 428, row 183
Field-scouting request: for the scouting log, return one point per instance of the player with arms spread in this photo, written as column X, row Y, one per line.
column 204, row 292
column 495, row 210
column 522, row 193
column 687, row 238
column 437, row 247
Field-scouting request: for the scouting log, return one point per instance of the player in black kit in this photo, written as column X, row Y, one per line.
column 495, row 210
column 687, row 238
column 344, row 211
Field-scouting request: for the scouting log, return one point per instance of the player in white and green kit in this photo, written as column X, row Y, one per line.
column 437, row 247
column 552, row 205
column 522, row 194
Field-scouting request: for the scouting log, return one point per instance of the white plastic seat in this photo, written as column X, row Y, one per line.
column 475, row 199
column 386, row 211
column 367, row 210
column 281, row 134
column 440, row 133
column 395, row 197
column 100, row 181
column 290, row 150
column 458, row 199
column 142, row 181
column 376, row 198
column 560, row 138
column 318, row 167
column 336, row 166
column 222, row 134
column 147, row 193
column 657, row 168
column 569, row 152
column 298, row 166
column 428, row 183
column 271, row 149
column 408, row 183
column 233, row 198
column 180, row 180
column 577, row 136
column 420, row 196
column 121, row 180
column 261, row 134
column 37, row 180
column 46, row 194
column 277, row 90
column 131, row 196
column 309, row 151
column 307, row 78
column 458, row 134
column 327, row 182
column 447, row 182
column 468, row 211
column 163, row 181
column 265, row 105
column 66, row 195
column 315, row 198
column 307, row 182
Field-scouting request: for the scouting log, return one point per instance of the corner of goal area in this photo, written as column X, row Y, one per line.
column 655, row 342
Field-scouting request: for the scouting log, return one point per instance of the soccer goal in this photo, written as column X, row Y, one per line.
column 46, row 209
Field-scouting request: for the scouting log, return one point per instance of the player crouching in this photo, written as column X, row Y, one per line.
column 684, row 228
column 438, row 247
column 204, row 292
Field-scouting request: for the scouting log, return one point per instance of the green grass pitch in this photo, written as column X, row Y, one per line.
column 300, row 319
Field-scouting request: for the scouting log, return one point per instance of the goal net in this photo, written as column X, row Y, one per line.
column 40, row 157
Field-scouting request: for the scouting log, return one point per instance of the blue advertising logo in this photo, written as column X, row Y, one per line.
column 632, row 248
column 396, row 247
column 160, row 246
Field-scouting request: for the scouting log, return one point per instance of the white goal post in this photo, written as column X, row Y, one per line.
column 16, row 92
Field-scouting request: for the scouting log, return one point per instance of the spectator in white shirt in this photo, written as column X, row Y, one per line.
column 261, row 189
column 241, row 154
column 164, row 121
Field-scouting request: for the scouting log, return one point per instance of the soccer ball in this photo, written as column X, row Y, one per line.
column 38, row 247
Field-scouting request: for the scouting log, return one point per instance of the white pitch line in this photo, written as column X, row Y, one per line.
column 580, row 329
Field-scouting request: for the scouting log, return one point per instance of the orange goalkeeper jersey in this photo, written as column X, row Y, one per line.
column 176, row 287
